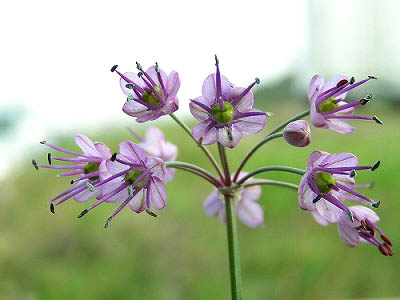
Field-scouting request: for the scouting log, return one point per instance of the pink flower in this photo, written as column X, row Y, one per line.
column 154, row 144
column 225, row 112
column 151, row 94
column 88, row 165
column 247, row 209
column 133, row 178
column 327, row 178
column 327, row 106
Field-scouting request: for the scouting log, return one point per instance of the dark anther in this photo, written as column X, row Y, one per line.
column 230, row 136
column 34, row 163
column 43, row 142
column 216, row 60
column 350, row 214
column 342, row 83
column 364, row 101
column 140, row 74
column 316, row 199
column 113, row 157
column 363, row 224
column 72, row 181
column 157, row 67
column 129, row 86
column 376, row 119
column 376, row 166
column 352, row 80
column 52, row 208
column 386, row 239
column 383, row 250
column 114, row 67
column 257, row 80
column 353, row 173
column 372, row 77
column 107, row 223
column 139, row 66
column 376, row 204
column 49, row 158
column 84, row 212
column 151, row 213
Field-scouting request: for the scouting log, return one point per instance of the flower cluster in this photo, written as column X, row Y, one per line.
column 137, row 174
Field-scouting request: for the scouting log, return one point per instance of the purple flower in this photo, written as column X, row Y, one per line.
column 327, row 178
column 151, row 94
column 225, row 112
column 297, row 133
column 327, row 106
column 247, row 209
column 363, row 229
column 133, row 178
column 88, row 165
column 154, row 144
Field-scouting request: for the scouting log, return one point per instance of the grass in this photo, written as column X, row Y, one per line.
column 182, row 254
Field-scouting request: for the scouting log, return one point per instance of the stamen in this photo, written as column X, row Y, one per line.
column 386, row 239
column 136, row 135
column 376, row 166
column 154, row 91
column 151, row 213
column 353, row 173
column 90, row 187
column 376, row 204
column 77, row 160
column 63, row 150
column 348, row 117
column 316, row 199
column 342, row 83
column 377, row 120
column 350, row 214
column 372, row 77
column 76, row 191
column 160, row 80
column 49, row 158
column 34, row 163
column 107, row 223
column 114, row 156
column 113, row 68
column 218, row 85
column 237, row 100
column 88, row 175
column 84, row 212
column 353, row 192
column 203, row 106
column 345, row 106
column 73, row 173
column 52, row 208
column 139, row 67
column 352, row 80
column 66, row 192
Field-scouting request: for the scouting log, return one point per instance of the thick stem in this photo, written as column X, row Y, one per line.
column 233, row 249
column 295, row 118
column 205, row 150
column 271, row 168
column 271, row 182
column 195, row 170
column 225, row 165
column 252, row 151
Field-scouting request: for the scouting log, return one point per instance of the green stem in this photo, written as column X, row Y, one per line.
column 271, row 182
column 233, row 249
column 252, row 151
column 205, row 150
column 283, row 125
column 225, row 166
column 268, row 169
column 195, row 170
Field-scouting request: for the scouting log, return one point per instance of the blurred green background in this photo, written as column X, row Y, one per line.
column 182, row 254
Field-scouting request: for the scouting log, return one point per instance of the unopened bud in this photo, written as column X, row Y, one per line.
column 297, row 133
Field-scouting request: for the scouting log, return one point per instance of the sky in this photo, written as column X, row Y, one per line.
column 56, row 56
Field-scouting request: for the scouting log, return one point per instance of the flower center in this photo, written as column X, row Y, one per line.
column 131, row 176
column 151, row 98
column 225, row 115
column 328, row 105
column 324, row 181
column 90, row 168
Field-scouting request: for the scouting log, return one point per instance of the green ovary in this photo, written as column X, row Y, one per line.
column 328, row 105
column 90, row 168
column 324, row 181
column 131, row 177
column 225, row 115
column 151, row 98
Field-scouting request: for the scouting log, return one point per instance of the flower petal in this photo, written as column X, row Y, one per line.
column 134, row 109
column 250, row 125
column 198, row 112
column 328, row 211
column 202, row 130
column 209, row 89
column 136, row 80
column 251, row 193
column 173, row 84
column 86, row 145
column 348, row 234
column 250, row 213
column 340, row 126
column 315, row 86
column 138, row 203
column 319, row 218
column 229, row 136
column 344, row 159
column 132, row 152
column 158, row 195
column 157, row 167
column 103, row 150
column 213, row 204
column 247, row 100
column 333, row 82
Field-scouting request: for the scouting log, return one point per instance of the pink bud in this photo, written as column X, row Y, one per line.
column 297, row 133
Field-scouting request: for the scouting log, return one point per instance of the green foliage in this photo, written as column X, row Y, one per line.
column 182, row 254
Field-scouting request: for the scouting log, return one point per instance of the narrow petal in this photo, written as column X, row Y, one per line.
column 340, row 126
column 328, row 211
column 201, row 130
column 250, row 125
column 173, row 84
column 247, row 100
column 138, row 203
column 315, row 86
column 213, row 205
column 86, row 145
column 344, row 159
column 229, row 137
column 157, row 167
column 251, row 193
column 250, row 213
column 103, row 150
column 333, row 82
column 349, row 235
column 132, row 152
column 209, row 89
column 134, row 109
column 158, row 194
column 198, row 112
column 153, row 74
column 319, row 218
column 134, row 78
column 170, row 174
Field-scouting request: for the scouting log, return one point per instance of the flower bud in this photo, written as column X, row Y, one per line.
column 297, row 133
